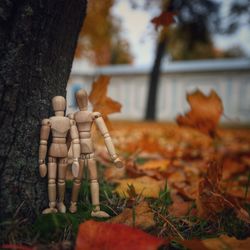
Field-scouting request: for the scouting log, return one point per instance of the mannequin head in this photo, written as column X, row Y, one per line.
column 59, row 105
column 82, row 99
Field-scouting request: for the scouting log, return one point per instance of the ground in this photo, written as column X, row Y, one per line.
column 178, row 184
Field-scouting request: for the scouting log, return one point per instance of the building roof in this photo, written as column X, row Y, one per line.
column 168, row 67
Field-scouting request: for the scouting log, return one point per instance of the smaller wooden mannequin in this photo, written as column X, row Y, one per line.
column 59, row 125
column 84, row 120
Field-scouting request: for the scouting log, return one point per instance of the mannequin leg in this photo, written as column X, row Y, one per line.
column 94, row 188
column 52, row 167
column 76, row 187
column 62, row 168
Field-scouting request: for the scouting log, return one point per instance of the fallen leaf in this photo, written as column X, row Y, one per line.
column 232, row 167
column 94, row 235
column 176, row 176
column 179, row 208
column 205, row 112
column 145, row 186
column 143, row 216
column 16, row 247
column 225, row 242
column 221, row 243
column 211, row 200
column 194, row 244
column 158, row 165
column 112, row 174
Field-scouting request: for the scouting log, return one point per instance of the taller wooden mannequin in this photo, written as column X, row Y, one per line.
column 84, row 120
column 59, row 125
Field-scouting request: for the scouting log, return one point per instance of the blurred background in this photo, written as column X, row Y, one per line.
column 156, row 51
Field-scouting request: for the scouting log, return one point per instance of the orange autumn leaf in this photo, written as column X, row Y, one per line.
column 94, row 235
column 99, row 100
column 166, row 18
column 222, row 242
column 205, row 112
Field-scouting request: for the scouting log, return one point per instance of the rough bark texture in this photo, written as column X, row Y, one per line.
column 154, row 79
column 37, row 43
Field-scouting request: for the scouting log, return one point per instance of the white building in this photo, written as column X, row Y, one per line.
column 129, row 85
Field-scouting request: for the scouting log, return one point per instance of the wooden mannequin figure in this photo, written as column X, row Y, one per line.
column 84, row 120
column 59, row 125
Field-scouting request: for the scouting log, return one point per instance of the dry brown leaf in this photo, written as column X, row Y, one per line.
column 94, row 235
column 179, row 208
column 211, row 200
column 205, row 112
column 144, row 217
column 232, row 167
column 145, row 186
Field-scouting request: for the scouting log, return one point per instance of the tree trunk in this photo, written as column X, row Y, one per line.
column 154, row 79
column 37, row 44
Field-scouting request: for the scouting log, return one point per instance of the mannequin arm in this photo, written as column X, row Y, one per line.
column 107, row 139
column 44, row 135
column 75, row 145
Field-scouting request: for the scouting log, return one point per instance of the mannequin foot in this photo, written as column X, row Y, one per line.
column 61, row 207
column 50, row 210
column 73, row 207
column 100, row 214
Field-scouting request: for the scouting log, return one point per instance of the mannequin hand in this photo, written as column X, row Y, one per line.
column 75, row 168
column 118, row 163
column 43, row 170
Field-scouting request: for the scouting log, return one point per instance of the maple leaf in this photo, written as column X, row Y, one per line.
column 205, row 112
column 166, row 18
column 99, row 100
column 94, row 235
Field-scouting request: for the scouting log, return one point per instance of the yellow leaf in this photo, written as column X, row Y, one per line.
column 146, row 186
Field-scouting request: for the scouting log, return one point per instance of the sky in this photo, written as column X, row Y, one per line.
column 140, row 33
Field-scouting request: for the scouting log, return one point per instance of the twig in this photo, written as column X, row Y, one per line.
column 170, row 224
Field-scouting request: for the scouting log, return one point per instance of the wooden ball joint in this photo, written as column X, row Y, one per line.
column 84, row 120
column 59, row 126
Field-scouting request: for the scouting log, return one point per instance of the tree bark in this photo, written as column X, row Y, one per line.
column 154, row 79
column 37, row 44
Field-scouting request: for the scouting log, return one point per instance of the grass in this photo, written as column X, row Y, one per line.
column 51, row 228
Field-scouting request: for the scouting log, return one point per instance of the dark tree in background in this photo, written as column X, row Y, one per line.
column 194, row 18
column 155, row 72
column 37, row 44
